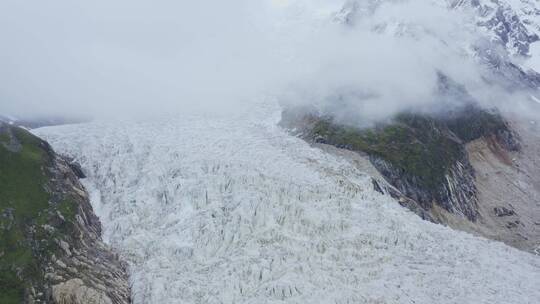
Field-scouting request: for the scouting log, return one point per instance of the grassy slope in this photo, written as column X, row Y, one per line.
column 410, row 144
column 421, row 146
column 24, row 207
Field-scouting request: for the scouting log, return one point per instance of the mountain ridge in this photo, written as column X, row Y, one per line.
column 50, row 239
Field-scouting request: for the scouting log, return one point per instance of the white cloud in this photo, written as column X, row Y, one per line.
column 141, row 57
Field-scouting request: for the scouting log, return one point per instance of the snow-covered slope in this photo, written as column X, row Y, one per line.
column 232, row 209
column 513, row 23
column 501, row 34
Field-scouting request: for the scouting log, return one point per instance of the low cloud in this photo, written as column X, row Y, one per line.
column 104, row 58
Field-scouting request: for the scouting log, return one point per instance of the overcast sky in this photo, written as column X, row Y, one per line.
column 107, row 58
column 101, row 56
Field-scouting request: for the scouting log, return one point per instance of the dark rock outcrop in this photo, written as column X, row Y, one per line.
column 503, row 211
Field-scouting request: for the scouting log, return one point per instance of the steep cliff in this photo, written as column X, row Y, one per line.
column 471, row 169
column 50, row 245
column 423, row 156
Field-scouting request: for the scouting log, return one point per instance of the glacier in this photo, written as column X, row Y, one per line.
column 215, row 208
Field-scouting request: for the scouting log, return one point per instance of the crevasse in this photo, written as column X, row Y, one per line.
column 210, row 208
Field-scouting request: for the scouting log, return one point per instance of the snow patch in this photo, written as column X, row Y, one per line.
column 533, row 62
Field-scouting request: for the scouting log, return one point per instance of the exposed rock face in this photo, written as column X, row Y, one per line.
column 422, row 156
column 77, row 292
column 55, row 230
column 87, row 271
column 490, row 185
column 456, row 194
column 362, row 162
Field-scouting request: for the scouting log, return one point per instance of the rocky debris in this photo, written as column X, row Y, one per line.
column 85, row 270
column 514, row 224
column 376, row 186
column 503, row 211
column 513, row 176
column 76, row 167
column 75, row 291
column 410, row 204
column 384, row 187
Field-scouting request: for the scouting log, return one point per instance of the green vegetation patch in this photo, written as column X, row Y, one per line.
column 420, row 148
column 22, row 199
column 472, row 123
column 4, row 137
column 412, row 143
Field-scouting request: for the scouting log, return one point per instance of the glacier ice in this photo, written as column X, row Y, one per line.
column 232, row 209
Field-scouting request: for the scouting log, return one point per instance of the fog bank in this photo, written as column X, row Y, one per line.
column 140, row 58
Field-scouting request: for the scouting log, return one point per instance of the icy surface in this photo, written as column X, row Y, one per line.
column 533, row 62
column 231, row 209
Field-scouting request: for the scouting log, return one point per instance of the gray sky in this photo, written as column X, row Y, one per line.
column 109, row 58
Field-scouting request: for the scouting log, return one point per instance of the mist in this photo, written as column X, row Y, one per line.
column 140, row 58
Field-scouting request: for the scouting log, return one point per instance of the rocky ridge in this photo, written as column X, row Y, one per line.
column 50, row 239
column 473, row 170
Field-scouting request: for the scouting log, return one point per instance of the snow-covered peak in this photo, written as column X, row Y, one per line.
column 512, row 23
